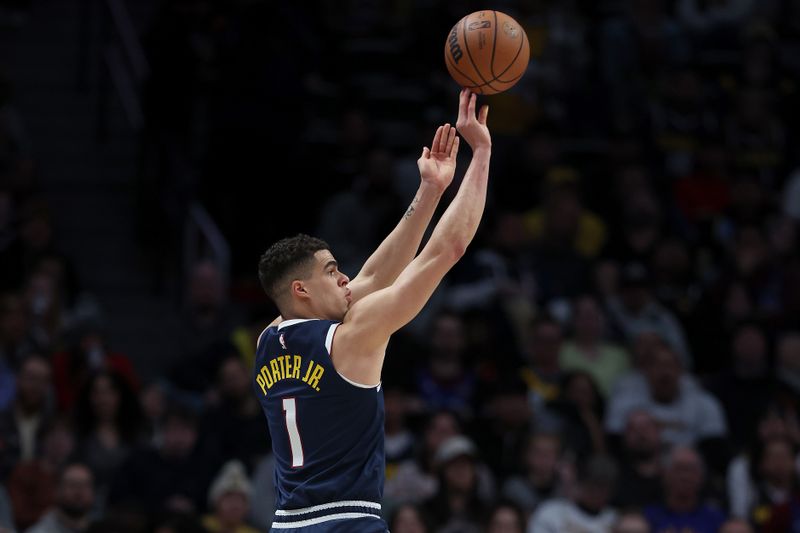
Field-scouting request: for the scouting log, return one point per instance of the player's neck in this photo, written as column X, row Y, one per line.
column 302, row 314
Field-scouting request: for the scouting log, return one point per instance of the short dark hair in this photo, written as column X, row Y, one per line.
column 285, row 258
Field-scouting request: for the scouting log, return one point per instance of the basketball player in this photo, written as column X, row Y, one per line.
column 318, row 367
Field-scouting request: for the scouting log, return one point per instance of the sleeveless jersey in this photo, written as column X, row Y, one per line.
column 327, row 432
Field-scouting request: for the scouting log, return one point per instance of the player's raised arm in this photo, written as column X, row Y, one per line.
column 360, row 341
column 437, row 165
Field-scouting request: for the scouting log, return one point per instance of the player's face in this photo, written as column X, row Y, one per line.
column 328, row 287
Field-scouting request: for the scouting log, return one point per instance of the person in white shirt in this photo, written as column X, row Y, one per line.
column 589, row 510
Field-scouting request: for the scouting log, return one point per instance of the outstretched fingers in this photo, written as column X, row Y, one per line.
column 451, row 136
column 454, row 147
column 482, row 114
column 473, row 98
column 437, row 139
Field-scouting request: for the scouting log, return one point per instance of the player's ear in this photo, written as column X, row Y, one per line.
column 299, row 289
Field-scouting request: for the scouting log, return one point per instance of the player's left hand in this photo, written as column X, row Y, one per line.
column 437, row 164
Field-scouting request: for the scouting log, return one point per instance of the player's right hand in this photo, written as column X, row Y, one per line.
column 470, row 126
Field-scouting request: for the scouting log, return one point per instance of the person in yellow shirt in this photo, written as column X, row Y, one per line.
column 588, row 349
column 563, row 218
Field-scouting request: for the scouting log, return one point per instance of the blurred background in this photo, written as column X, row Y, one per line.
column 619, row 350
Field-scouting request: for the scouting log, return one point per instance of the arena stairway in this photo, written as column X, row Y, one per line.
column 89, row 183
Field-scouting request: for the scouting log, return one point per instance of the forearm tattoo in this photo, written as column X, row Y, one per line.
column 411, row 208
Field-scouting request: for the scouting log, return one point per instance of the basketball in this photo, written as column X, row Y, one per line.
column 487, row 52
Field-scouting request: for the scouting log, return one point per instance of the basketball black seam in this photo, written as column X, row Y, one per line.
column 501, row 81
column 466, row 45
column 494, row 46
column 450, row 61
column 524, row 38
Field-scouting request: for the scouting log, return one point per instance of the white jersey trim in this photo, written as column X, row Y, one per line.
column 331, row 505
column 329, row 337
column 321, row 519
column 293, row 321
column 261, row 336
column 328, row 344
column 359, row 385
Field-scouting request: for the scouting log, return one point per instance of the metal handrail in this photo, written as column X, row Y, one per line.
column 130, row 41
column 128, row 68
column 199, row 221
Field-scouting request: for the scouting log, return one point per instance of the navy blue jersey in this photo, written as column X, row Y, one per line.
column 327, row 432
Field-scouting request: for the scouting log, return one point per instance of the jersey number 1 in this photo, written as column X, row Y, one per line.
column 290, row 408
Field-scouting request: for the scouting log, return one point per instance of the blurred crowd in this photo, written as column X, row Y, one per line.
column 619, row 350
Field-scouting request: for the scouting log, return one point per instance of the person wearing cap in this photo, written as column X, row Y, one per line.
column 589, row 510
column 459, row 505
column 229, row 498
column 635, row 309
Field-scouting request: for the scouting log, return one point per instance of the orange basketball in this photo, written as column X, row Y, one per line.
column 487, row 52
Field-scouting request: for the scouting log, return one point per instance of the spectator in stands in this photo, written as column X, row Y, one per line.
column 409, row 519
column 756, row 134
column 784, row 517
column 354, row 221
column 153, row 404
column 588, row 348
column 684, row 505
column 229, row 500
column 73, row 502
column 743, row 470
column 542, row 372
column 505, row 517
column 589, row 510
column 400, row 441
column 772, row 480
column 577, row 414
column 173, row 476
column 415, row 479
column 565, row 235
column 496, row 283
column 673, row 283
column 32, row 483
column 680, row 116
column 546, row 473
column 45, row 308
column 745, row 389
column 636, row 310
column 87, row 353
column 23, row 423
column 688, row 414
column 263, row 479
column 234, row 424
column 204, row 334
column 16, row 341
column 109, row 427
column 640, row 458
column 447, row 380
column 458, row 505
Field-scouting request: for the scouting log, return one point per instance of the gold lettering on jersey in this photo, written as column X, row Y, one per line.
column 313, row 381
column 298, row 362
column 289, row 367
